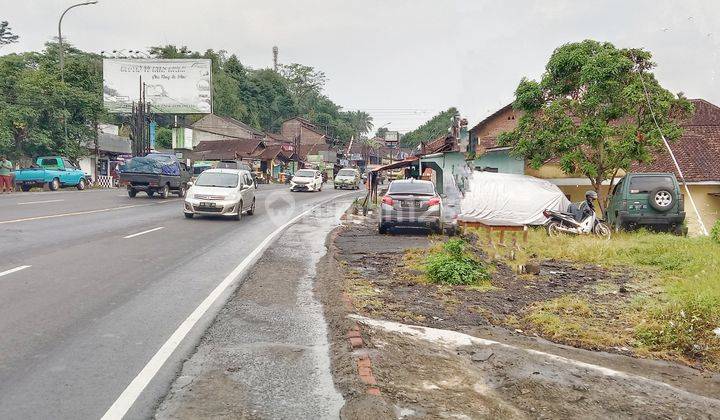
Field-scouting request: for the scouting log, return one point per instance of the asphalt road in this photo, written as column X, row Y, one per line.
column 83, row 308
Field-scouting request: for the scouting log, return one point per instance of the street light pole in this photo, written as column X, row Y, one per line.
column 60, row 42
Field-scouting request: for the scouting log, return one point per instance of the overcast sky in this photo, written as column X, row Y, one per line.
column 401, row 60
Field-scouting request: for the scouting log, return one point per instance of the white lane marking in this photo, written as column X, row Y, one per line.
column 13, row 270
column 78, row 213
column 144, row 232
column 458, row 339
column 128, row 397
column 40, row 202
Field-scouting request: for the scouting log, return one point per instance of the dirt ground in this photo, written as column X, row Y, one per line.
column 517, row 375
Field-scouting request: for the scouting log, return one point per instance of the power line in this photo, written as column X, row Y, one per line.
column 672, row 155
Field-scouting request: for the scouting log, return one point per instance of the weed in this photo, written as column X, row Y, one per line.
column 715, row 232
column 453, row 265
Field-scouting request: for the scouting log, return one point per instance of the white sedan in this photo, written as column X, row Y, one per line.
column 221, row 192
column 306, row 180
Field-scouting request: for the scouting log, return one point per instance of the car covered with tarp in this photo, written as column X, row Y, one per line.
column 497, row 199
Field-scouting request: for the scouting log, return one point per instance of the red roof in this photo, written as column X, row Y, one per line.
column 444, row 143
column 697, row 150
column 228, row 149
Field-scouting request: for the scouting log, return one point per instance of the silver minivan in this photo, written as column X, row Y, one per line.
column 221, row 192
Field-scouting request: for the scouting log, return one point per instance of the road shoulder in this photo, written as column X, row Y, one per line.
column 266, row 353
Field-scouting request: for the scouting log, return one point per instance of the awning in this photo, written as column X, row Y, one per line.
column 395, row 165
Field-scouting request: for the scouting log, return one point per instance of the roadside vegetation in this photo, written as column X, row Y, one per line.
column 715, row 233
column 453, row 264
column 675, row 308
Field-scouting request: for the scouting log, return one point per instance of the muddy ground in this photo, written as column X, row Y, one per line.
column 424, row 379
column 387, row 282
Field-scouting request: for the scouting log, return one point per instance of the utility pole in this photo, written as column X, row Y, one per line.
column 138, row 123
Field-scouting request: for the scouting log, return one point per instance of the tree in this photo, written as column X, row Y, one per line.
column 590, row 110
column 163, row 138
column 304, row 83
column 6, row 35
column 361, row 121
column 435, row 127
column 36, row 107
column 381, row 132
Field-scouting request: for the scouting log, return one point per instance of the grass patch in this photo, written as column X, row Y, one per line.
column 570, row 319
column 680, row 318
column 453, row 265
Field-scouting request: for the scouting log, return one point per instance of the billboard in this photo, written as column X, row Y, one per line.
column 177, row 86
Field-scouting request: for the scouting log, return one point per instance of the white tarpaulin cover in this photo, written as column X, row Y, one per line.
column 509, row 199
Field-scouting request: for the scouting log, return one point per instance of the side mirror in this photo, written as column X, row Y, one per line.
column 190, row 184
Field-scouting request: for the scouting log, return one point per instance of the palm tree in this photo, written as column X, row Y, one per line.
column 361, row 122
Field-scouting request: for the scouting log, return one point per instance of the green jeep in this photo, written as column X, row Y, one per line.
column 648, row 199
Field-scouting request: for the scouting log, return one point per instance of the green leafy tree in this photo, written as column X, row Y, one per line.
column 163, row 138
column 304, row 82
column 37, row 109
column 361, row 121
column 590, row 111
column 435, row 127
column 381, row 132
column 6, row 34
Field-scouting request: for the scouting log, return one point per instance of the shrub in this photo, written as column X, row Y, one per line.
column 453, row 265
column 715, row 232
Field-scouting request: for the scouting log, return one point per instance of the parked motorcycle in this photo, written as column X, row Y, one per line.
column 559, row 223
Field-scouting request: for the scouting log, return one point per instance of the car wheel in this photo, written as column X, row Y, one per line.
column 25, row 188
column 165, row 192
column 132, row 193
column 553, row 229
column 238, row 216
column 81, row 184
column 251, row 211
column 54, row 185
column 382, row 228
column 188, row 215
column 335, row 187
column 181, row 192
column 150, row 193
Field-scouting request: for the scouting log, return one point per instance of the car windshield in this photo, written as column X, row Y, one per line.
column 305, row 174
column 417, row 188
column 346, row 172
column 217, row 179
column 645, row 184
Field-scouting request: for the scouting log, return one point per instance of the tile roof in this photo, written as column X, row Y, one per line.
column 277, row 138
column 697, row 153
column 444, row 143
column 227, row 149
column 697, row 150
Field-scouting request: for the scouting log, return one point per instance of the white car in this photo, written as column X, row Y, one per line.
column 221, row 192
column 306, row 180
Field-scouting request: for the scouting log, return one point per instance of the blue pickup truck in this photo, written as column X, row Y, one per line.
column 53, row 171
